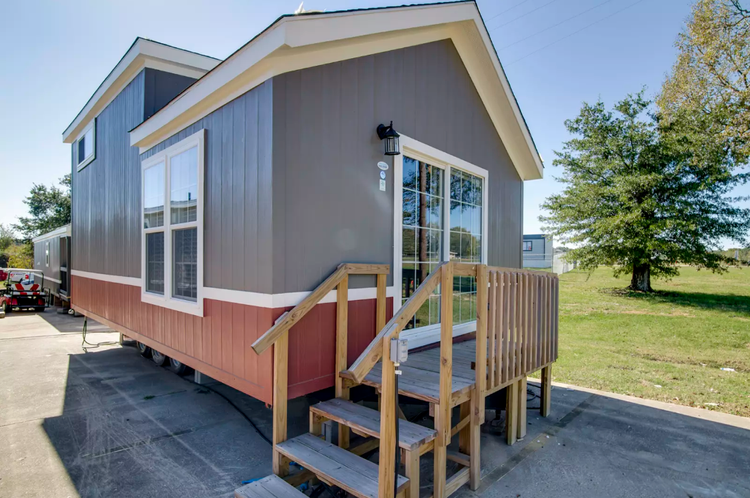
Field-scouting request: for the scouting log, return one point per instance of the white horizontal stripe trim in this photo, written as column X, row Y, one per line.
column 258, row 299
column 53, row 280
column 286, row 299
column 115, row 279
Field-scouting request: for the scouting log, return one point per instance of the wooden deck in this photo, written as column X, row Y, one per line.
column 421, row 374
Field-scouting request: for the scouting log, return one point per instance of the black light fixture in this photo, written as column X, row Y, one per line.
column 390, row 136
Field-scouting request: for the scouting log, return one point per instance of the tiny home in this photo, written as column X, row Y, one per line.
column 52, row 259
column 538, row 251
column 322, row 179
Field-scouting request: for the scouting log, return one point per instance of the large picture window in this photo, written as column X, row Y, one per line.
column 441, row 217
column 172, row 261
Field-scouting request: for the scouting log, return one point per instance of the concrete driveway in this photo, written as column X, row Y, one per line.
column 110, row 423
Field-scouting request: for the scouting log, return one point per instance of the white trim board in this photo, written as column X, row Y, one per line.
column 298, row 42
column 63, row 230
column 142, row 54
column 257, row 299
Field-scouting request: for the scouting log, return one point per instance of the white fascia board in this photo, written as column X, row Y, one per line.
column 295, row 43
column 64, row 230
column 143, row 53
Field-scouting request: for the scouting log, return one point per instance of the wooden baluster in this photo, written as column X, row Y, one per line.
column 481, row 353
column 512, row 326
column 280, row 385
column 506, row 343
column 557, row 316
column 492, row 368
column 521, row 356
column 342, row 320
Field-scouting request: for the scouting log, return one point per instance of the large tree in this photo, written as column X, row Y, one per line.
column 642, row 195
column 710, row 82
column 49, row 208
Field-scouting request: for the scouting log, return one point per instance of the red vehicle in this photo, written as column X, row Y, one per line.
column 24, row 288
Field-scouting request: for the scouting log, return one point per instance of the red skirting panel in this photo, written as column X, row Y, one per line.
column 219, row 343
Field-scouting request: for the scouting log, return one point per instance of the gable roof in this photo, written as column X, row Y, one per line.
column 141, row 54
column 299, row 41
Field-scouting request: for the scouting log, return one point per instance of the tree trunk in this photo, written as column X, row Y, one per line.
column 641, row 280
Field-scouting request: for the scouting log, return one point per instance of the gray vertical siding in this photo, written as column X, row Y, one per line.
column 53, row 269
column 327, row 207
column 161, row 87
column 237, row 217
column 106, row 193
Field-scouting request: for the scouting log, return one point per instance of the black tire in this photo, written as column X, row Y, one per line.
column 6, row 307
column 39, row 309
column 158, row 358
column 177, row 367
column 144, row 350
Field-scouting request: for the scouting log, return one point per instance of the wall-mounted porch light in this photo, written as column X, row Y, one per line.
column 390, row 136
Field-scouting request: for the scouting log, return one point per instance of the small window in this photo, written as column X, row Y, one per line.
column 526, row 245
column 173, row 226
column 85, row 146
column 46, row 253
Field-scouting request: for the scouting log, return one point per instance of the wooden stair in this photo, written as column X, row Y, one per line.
column 268, row 487
column 366, row 421
column 335, row 466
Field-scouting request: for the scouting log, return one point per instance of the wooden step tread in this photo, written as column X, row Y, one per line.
column 367, row 421
column 335, row 465
column 419, row 384
column 271, row 486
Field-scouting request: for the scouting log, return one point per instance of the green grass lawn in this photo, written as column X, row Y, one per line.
column 668, row 346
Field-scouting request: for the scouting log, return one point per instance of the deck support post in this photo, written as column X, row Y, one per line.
column 411, row 464
column 522, row 385
column 475, row 424
column 443, row 412
column 511, row 413
column 388, row 443
column 342, row 320
column 546, row 397
column 280, row 386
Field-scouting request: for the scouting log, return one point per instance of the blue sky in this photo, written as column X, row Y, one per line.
column 557, row 54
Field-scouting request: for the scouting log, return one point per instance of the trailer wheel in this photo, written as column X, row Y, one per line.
column 177, row 367
column 144, row 350
column 158, row 358
column 6, row 307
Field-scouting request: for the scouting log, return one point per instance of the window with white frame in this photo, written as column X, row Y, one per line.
column 526, row 245
column 442, row 219
column 85, row 146
column 46, row 253
column 172, row 245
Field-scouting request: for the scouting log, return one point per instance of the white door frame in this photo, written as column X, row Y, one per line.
column 422, row 152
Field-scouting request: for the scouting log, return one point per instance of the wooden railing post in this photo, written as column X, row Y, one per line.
column 387, row 463
column 280, row 386
column 381, row 302
column 443, row 411
column 342, row 319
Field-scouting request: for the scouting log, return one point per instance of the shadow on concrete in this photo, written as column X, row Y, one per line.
column 66, row 323
column 130, row 428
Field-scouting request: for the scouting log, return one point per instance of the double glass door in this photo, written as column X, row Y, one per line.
column 442, row 209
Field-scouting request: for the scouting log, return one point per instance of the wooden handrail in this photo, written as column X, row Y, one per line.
column 374, row 351
column 295, row 315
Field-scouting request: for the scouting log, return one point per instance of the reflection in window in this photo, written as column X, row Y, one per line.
column 155, row 262
column 185, row 264
column 466, row 191
column 153, row 196
column 183, row 184
column 422, row 234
